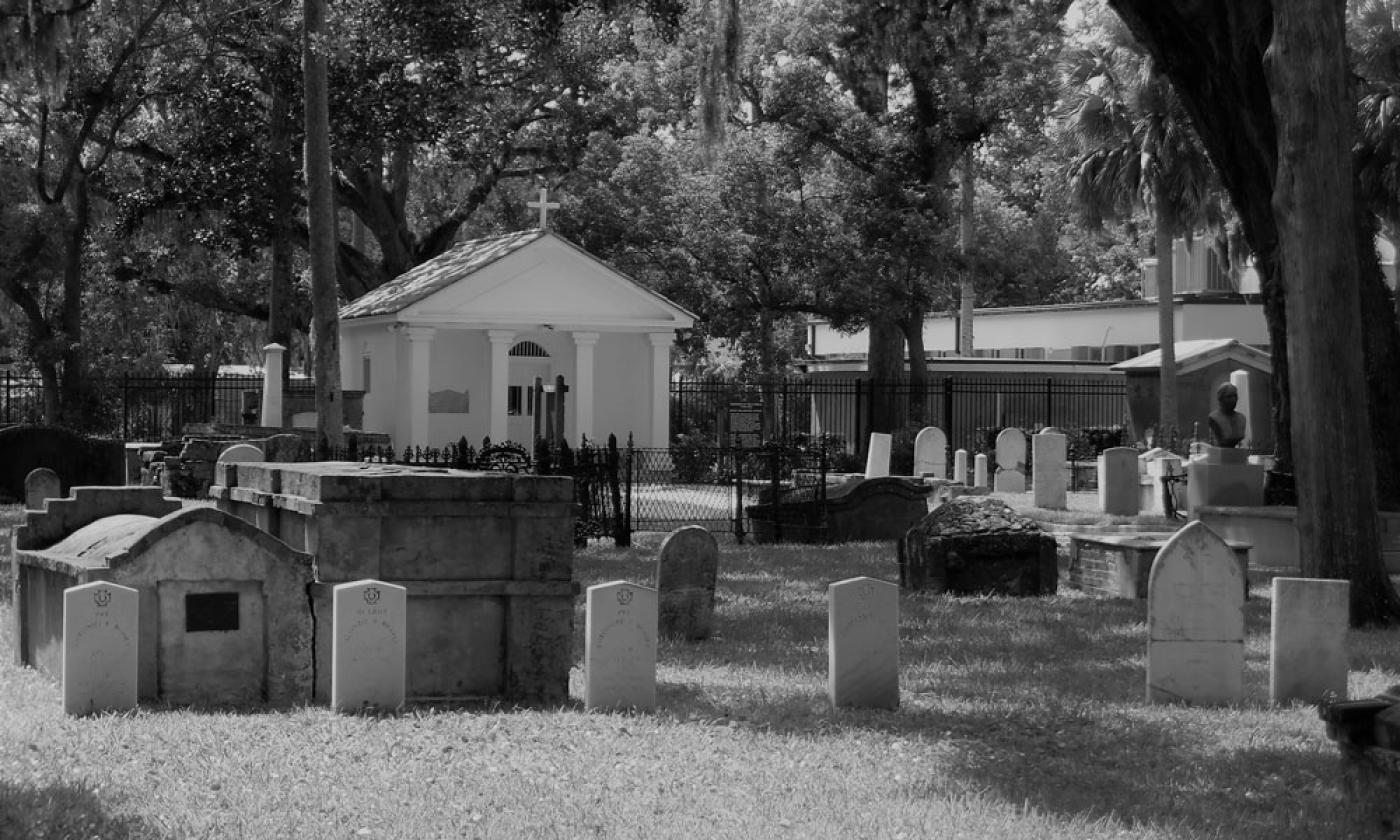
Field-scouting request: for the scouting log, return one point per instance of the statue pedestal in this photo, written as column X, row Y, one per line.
column 1219, row 476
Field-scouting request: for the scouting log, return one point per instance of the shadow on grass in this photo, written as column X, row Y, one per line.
column 62, row 811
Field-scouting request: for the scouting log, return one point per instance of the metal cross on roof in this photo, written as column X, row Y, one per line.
column 544, row 205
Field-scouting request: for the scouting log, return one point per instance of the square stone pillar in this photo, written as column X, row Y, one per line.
column 412, row 428
column 660, row 388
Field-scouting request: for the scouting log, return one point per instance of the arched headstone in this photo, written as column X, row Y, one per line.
column 619, row 653
column 931, row 453
column 99, row 648
column 863, row 643
column 241, row 453
column 40, row 485
column 1195, row 620
column 686, row 570
column 1011, row 462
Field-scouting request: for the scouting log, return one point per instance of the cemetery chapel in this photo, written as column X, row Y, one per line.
column 453, row 347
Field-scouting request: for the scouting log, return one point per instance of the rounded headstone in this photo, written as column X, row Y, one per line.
column 241, row 453
column 686, row 570
column 41, row 485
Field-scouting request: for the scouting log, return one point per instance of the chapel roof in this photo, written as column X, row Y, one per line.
column 437, row 273
column 1196, row 354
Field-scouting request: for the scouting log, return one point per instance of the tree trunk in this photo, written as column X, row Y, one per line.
column 886, row 368
column 912, row 327
column 1314, row 205
column 1168, row 434
column 72, row 411
column 967, row 289
column 325, row 321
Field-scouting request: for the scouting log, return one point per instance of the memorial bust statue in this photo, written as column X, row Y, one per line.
column 1227, row 426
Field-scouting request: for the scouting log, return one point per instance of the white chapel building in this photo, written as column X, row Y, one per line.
column 453, row 347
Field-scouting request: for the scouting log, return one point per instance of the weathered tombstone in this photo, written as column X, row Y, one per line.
column 979, row 470
column 619, row 653
column 960, row 466
column 1195, row 620
column 1118, row 481
column 686, row 568
column 931, row 453
column 877, row 460
column 863, row 643
column 369, row 645
column 1048, row 486
column 286, row 449
column 241, row 453
column 1308, row 640
column 99, row 648
column 1011, row 462
column 40, row 485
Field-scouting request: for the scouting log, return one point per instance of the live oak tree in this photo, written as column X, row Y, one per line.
column 1265, row 84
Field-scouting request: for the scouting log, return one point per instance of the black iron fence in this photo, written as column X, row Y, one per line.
column 964, row 407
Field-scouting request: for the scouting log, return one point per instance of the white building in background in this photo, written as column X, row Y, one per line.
column 1208, row 303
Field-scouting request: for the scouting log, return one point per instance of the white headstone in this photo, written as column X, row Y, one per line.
column 1011, row 462
column 1195, row 620
column 1240, row 379
column 1048, row 480
column 863, row 643
column 877, row 460
column 1308, row 640
column 979, row 470
column 41, row 485
column 931, row 452
column 1118, row 481
column 368, row 645
column 960, row 466
column 241, row 453
column 100, row 632
column 619, row 653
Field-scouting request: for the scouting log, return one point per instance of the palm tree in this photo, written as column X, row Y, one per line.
column 1135, row 151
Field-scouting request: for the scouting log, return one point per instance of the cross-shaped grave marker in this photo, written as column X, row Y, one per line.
column 544, row 205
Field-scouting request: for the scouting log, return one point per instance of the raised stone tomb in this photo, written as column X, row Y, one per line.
column 861, row 509
column 1119, row 565
column 978, row 544
column 486, row 559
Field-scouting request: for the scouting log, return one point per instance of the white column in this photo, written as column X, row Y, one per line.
column 272, row 386
column 415, row 408
column 501, row 340
column 660, row 388
column 584, row 342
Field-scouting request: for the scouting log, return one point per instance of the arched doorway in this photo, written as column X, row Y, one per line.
column 528, row 360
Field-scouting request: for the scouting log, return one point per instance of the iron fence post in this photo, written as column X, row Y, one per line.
column 737, row 456
column 1049, row 401
column 627, row 499
column 948, row 436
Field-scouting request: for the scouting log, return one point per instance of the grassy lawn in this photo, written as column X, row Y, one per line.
column 1019, row 718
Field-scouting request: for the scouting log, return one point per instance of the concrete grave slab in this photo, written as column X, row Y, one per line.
column 863, row 643
column 619, row 657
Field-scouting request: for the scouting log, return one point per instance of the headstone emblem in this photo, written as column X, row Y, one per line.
column 102, row 597
column 624, row 596
column 372, row 595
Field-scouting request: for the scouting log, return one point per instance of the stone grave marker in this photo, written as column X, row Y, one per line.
column 979, row 470
column 863, row 643
column 686, row 568
column 368, row 645
column 100, row 632
column 931, row 453
column 1308, row 640
column 877, row 459
column 960, row 466
column 1049, row 489
column 619, row 654
column 1195, row 620
column 40, row 485
column 1011, row 462
column 241, row 453
column 1118, row 481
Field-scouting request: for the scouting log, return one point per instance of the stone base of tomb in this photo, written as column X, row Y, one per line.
column 978, row 545
column 1118, row 565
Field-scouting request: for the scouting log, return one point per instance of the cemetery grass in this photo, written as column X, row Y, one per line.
column 1018, row 718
